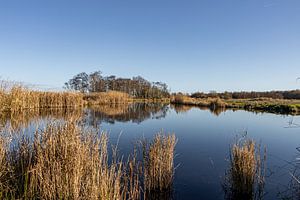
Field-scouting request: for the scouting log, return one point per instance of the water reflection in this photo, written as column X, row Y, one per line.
column 135, row 113
column 292, row 190
column 17, row 121
column 200, row 134
column 185, row 108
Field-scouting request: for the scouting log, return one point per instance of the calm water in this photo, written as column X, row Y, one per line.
column 204, row 138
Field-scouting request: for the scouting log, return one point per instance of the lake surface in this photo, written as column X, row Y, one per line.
column 204, row 139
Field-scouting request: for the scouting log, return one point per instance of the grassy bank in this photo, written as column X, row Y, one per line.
column 67, row 161
column 258, row 104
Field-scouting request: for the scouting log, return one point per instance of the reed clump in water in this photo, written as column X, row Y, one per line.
column 4, row 170
column 70, row 165
column 159, row 165
column 68, row 161
column 246, row 176
column 63, row 161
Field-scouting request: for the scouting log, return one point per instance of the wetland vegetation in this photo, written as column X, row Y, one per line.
column 66, row 155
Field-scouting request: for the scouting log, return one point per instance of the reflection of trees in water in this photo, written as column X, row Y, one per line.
column 136, row 113
column 185, row 108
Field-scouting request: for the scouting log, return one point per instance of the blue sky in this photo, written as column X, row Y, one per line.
column 191, row 45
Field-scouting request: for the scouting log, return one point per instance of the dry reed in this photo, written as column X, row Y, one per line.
column 246, row 176
column 18, row 98
column 68, row 161
column 74, row 166
column 111, row 97
column 159, row 165
column 212, row 103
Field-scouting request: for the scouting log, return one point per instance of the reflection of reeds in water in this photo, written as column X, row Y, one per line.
column 16, row 121
column 67, row 161
column 181, row 108
column 159, row 166
column 292, row 190
column 245, row 178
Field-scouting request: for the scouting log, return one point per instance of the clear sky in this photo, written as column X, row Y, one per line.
column 189, row 44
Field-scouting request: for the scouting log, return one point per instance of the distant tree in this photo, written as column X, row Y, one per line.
column 136, row 86
column 94, row 80
column 79, row 82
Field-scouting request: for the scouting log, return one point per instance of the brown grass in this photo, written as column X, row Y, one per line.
column 4, row 170
column 245, row 178
column 18, row 98
column 207, row 102
column 111, row 97
column 74, row 166
column 68, row 161
column 159, row 164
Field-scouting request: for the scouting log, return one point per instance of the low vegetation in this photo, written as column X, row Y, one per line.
column 246, row 175
column 259, row 104
column 68, row 161
column 292, row 94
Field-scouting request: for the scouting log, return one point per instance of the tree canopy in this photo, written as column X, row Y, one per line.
column 137, row 86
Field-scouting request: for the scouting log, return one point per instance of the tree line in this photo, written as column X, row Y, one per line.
column 292, row 94
column 137, row 87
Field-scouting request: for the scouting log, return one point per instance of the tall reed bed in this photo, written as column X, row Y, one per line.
column 246, row 176
column 68, row 161
column 111, row 97
column 159, row 166
column 18, row 98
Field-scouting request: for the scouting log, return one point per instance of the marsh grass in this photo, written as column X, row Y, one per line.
column 111, row 97
column 18, row 98
column 281, row 106
column 246, row 176
column 65, row 160
column 74, row 166
column 158, row 159
column 212, row 103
